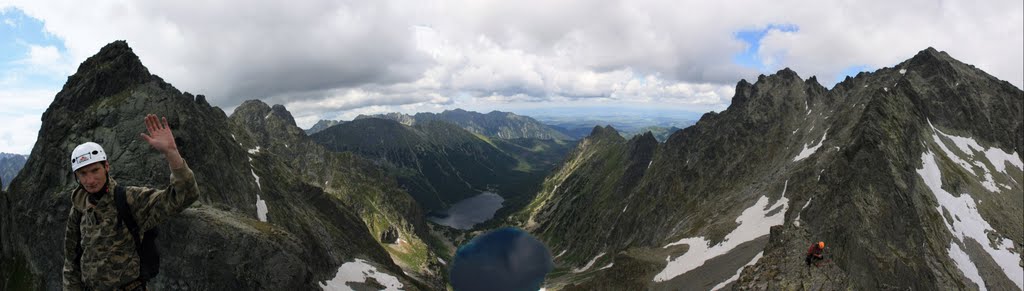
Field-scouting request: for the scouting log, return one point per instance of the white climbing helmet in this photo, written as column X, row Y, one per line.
column 86, row 154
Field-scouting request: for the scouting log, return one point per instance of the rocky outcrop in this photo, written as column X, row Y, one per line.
column 376, row 197
column 390, row 235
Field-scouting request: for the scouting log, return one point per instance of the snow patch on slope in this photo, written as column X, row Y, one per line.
column 261, row 205
column 797, row 220
column 562, row 253
column 997, row 157
column 808, row 151
column 754, row 222
column 963, row 262
column 358, row 271
column 969, row 223
column 589, row 264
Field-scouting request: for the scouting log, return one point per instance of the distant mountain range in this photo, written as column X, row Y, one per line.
column 578, row 126
column 321, row 125
column 496, row 124
column 10, row 165
column 506, row 125
column 441, row 163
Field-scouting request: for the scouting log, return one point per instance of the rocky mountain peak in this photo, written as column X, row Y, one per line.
column 931, row 55
column 281, row 112
column 503, row 114
column 771, row 95
column 111, row 71
column 252, row 111
column 813, row 82
column 270, row 124
column 788, row 74
column 606, row 132
column 933, row 65
column 256, row 109
column 254, row 105
column 743, row 91
column 646, row 139
column 783, row 74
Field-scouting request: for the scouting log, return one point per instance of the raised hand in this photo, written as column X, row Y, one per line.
column 161, row 139
column 160, row 136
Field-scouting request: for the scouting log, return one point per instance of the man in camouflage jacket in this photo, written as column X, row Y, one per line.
column 99, row 252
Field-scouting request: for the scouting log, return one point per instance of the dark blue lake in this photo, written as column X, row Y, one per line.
column 470, row 211
column 503, row 259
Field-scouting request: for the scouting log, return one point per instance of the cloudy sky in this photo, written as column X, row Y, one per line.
column 338, row 59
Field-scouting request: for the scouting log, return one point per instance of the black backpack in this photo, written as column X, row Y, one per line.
column 149, row 257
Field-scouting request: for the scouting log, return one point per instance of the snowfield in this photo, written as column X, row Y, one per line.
column 754, row 223
column 969, row 224
column 808, row 151
column 358, row 271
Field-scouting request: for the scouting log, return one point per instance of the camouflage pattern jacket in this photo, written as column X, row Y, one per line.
column 99, row 253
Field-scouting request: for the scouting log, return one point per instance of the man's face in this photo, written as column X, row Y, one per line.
column 93, row 176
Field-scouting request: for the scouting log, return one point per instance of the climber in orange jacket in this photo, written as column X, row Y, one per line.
column 815, row 253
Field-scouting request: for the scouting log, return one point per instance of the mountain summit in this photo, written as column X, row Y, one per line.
column 113, row 70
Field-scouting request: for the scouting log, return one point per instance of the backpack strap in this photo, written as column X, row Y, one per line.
column 124, row 214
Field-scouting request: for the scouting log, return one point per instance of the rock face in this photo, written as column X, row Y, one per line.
column 884, row 167
column 389, row 236
column 219, row 242
column 270, row 131
column 496, row 124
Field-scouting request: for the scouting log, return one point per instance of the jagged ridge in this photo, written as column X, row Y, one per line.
column 844, row 158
